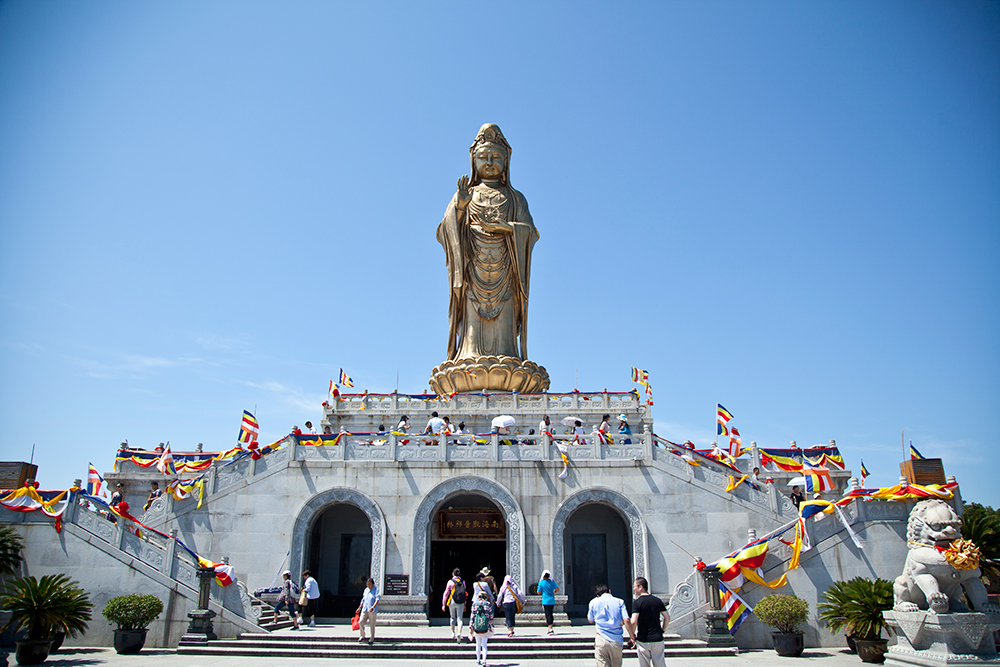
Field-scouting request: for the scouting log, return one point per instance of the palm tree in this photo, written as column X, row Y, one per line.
column 10, row 550
column 54, row 603
column 857, row 606
column 981, row 525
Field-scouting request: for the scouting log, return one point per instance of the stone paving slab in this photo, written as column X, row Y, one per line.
column 87, row 657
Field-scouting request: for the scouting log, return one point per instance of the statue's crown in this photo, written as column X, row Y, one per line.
column 490, row 135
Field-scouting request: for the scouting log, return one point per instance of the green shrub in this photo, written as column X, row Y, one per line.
column 857, row 607
column 783, row 612
column 133, row 611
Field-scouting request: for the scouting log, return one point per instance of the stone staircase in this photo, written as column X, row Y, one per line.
column 579, row 645
column 268, row 620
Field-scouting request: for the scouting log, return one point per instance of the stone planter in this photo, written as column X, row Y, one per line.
column 872, row 650
column 57, row 642
column 32, row 651
column 850, row 644
column 130, row 641
column 789, row 645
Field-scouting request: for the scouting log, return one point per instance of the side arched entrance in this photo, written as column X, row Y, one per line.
column 598, row 536
column 491, row 532
column 339, row 535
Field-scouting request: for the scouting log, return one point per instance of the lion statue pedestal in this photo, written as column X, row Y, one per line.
column 933, row 624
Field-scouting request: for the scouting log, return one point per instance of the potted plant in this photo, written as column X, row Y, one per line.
column 785, row 613
column 54, row 603
column 10, row 560
column 856, row 606
column 132, row 613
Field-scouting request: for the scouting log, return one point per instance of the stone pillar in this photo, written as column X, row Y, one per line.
column 715, row 617
column 200, row 628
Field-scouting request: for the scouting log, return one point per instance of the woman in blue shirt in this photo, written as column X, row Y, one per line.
column 547, row 587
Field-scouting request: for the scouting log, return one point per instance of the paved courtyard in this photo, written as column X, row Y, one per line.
column 82, row 657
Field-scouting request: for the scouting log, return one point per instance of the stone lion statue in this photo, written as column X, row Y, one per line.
column 939, row 564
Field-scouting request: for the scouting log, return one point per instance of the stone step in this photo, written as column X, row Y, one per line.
column 519, row 648
column 496, row 652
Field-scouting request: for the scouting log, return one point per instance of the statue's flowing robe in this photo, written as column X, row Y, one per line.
column 469, row 333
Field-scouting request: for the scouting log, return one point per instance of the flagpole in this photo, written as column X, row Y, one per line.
column 902, row 442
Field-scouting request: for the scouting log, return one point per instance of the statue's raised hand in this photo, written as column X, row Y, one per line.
column 464, row 193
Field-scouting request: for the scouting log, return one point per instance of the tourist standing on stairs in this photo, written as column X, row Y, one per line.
column 650, row 618
column 311, row 589
column 481, row 587
column 609, row 614
column 368, row 609
column 286, row 599
column 547, row 587
column 454, row 603
column 510, row 597
column 481, row 624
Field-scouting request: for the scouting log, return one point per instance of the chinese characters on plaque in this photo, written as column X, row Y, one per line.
column 471, row 524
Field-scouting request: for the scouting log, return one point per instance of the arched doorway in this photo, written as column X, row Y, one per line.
column 425, row 527
column 339, row 554
column 469, row 532
column 597, row 533
column 339, row 535
column 596, row 542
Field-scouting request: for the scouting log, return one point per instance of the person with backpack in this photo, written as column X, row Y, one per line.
column 454, row 603
column 286, row 599
column 481, row 623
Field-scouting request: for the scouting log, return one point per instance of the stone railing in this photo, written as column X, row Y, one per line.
column 487, row 447
column 395, row 404
column 160, row 553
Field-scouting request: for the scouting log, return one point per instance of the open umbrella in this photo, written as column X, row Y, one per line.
column 570, row 421
column 503, row 421
column 797, row 481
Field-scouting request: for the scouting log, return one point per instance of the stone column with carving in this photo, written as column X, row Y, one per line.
column 200, row 629
column 715, row 617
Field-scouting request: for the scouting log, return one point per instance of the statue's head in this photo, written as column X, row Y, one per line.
column 490, row 155
column 933, row 522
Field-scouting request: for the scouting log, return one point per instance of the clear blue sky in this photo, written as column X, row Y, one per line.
column 789, row 208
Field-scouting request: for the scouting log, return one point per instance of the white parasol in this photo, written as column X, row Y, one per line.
column 503, row 421
column 571, row 421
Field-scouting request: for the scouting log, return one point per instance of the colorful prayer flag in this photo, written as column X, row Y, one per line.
column 817, row 479
column 735, row 606
column 165, row 464
column 639, row 375
column 722, row 417
column 914, row 454
column 224, row 574
column 94, row 481
column 864, row 472
column 345, row 380
column 735, row 443
column 249, row 428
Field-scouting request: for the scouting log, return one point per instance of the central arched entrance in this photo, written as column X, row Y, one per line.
column 468, row 532
column 485, row 492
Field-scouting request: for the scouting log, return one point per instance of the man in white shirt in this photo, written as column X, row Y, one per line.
column 435, row 424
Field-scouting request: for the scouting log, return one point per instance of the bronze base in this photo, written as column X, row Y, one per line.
column 489, row 374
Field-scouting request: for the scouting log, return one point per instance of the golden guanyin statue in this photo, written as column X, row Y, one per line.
column 487, row 233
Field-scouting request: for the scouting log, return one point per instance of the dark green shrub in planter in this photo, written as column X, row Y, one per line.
column 54, row 603
column 785, row 613
column 856, row 606
column 132, row 613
